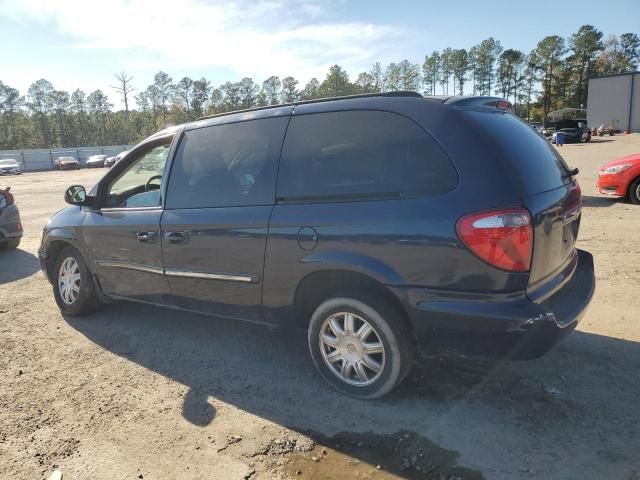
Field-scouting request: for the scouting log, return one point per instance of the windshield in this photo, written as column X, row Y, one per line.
column 9, row 161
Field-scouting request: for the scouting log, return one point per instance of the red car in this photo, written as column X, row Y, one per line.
column 621, row 178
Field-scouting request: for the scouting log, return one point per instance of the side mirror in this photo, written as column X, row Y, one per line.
column 76, row 195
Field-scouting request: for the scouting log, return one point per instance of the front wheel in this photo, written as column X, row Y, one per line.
column 73, row 286
column 634, row 192
column 361, row 346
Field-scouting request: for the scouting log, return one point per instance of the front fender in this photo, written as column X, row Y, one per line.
column 52, row 242
column 61, row 230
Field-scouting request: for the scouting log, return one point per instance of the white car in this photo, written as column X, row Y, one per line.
column 10, row 166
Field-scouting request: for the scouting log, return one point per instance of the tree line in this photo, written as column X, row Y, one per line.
column 553, row 75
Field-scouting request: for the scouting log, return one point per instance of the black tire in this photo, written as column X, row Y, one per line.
column 87, row 299
column 389, row 325
column 11, row 244
column 634, row 191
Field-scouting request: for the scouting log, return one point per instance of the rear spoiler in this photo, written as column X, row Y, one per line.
column 474, row 102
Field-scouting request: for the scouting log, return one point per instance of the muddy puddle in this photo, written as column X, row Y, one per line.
column 402, row 455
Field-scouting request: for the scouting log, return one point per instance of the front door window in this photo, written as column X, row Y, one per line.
column 140, row 184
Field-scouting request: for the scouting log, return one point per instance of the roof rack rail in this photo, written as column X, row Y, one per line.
column 400, row 93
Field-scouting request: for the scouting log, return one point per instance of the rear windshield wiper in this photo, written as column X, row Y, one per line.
column 571, row 173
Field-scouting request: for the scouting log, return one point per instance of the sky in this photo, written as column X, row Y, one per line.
column 82, row 43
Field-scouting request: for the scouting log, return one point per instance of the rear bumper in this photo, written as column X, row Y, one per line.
column 499, row 325
column 10, row 225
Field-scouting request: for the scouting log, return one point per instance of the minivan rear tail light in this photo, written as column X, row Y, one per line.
column 502, row 238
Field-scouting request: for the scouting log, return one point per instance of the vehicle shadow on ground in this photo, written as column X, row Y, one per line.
column 268, row 373
column 16, row 264
column 592, row 201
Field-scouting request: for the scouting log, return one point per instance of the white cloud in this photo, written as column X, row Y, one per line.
column 253, row 38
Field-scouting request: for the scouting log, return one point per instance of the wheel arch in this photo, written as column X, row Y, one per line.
column 631, row 182
column 53, row 251
column 318, row 286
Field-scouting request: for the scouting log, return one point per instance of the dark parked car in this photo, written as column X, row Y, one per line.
column 9, row 166
column 111, row 161
column 66, row 163
column 364, row 220
column 96, row 161
column 570, row 135
column 10, row 225
column 575, row 131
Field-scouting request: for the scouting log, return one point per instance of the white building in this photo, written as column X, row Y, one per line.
column 614, row 100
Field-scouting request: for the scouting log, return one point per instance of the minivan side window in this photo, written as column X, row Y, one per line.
column 361, row 154
column 227, row 165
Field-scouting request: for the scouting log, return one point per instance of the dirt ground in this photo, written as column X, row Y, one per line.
column 140, row 392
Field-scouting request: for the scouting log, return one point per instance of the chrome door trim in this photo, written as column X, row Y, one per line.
column 174, row 272
column 131, row 266
column 230, row 277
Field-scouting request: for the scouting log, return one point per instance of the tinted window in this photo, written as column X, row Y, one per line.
column 361, row 154
column 537, row 163
column 227, row 165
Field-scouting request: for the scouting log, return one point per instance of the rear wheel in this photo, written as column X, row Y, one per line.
column 360, row 345
column 634, row 191
column 73, row 286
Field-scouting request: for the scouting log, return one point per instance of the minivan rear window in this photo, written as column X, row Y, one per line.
column 538, row 165
column 359, row 155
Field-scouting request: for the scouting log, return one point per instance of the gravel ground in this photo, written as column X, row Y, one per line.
column 140, row 392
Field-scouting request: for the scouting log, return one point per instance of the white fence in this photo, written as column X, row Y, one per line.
column 42, row 159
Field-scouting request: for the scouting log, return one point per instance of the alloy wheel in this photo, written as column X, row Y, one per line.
column 69, row 280
column 352, row 349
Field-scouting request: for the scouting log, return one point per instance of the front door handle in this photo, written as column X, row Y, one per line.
column 176, row 237
column 147, row 237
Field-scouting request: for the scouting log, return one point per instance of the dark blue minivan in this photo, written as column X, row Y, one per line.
column 387, row 225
